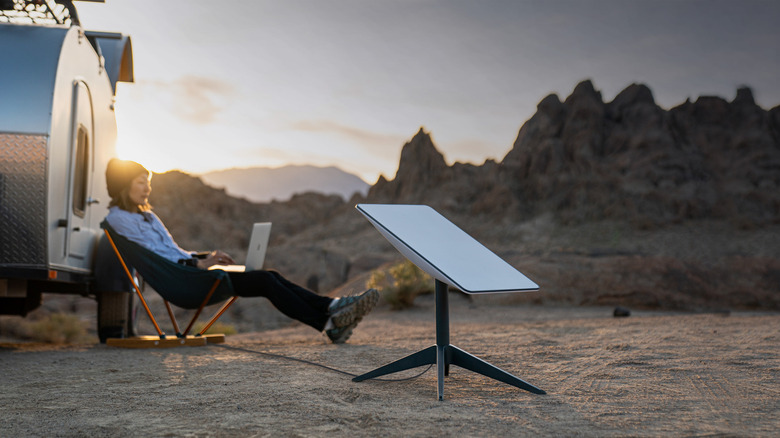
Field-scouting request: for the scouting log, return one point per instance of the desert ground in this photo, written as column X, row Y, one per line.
column 649, row 374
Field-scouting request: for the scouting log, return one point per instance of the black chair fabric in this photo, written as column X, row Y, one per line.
column 181, row 285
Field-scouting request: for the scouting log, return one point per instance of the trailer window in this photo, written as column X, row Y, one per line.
column 81, row 175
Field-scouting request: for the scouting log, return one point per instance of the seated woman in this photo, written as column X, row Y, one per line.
column 129, row 185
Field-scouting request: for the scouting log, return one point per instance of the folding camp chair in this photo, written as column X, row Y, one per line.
column 184, row 286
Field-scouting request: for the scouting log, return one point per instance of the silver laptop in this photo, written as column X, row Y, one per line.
column 255, row 254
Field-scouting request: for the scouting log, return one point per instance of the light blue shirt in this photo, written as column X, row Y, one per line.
column 147, row 230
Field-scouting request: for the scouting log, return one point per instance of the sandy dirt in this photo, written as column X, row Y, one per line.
column 651, row 374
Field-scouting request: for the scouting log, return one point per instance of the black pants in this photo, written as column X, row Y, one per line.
column 294, row 301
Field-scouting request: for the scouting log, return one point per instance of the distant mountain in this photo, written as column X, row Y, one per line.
column 264, row 184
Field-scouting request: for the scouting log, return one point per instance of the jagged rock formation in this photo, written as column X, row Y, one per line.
column 422, row 166
column 630, row 159
column 424, row 177
column 627, row 159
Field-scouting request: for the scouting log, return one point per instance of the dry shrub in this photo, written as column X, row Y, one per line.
column 216, row 328
column 55, row 328
column 401, row 284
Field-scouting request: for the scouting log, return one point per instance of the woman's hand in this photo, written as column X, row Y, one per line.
column 215, row 258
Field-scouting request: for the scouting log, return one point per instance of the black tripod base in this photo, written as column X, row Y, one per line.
column 443, row 356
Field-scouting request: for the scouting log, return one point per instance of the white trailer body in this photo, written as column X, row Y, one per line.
column 57, row 133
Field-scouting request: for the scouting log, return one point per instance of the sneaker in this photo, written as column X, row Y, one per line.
column 351, row 309
column 339, row 335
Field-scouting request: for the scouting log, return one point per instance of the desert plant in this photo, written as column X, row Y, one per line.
column 404, row 283
column 56, row 328
column 217, row 327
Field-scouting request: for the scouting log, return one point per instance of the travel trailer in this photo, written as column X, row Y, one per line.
column 57, row 133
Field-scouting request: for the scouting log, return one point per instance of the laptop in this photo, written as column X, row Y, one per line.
column 255, row 254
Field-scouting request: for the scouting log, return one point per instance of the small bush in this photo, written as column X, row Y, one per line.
column 55, row 328
column 216, row 328
column 404, row 283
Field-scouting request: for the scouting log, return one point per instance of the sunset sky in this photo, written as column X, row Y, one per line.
column 347, row 82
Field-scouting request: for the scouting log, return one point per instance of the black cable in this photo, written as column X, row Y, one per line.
column 279, row 356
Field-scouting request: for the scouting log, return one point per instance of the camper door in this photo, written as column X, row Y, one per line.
column 79, row 237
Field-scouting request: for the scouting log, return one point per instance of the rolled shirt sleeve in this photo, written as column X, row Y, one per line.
column 147, row 230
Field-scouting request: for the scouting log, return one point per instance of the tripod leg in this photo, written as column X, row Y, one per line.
column 422, row 357
column 479, row 366
column 442, row 368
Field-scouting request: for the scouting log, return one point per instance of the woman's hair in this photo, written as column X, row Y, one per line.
column 123, row 201
column 119, row 175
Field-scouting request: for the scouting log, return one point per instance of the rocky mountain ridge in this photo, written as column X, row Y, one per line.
column 628, row 159
column 600, row 203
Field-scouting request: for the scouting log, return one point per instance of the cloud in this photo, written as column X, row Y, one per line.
column 199, row 99
column 356, row 134
column 194, row 99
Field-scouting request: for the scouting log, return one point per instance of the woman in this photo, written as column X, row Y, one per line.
column 129, row 185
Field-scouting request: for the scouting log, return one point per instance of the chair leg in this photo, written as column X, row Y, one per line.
column 137, row 290
column 216, row 316
column 173, row 318
column 202, row 305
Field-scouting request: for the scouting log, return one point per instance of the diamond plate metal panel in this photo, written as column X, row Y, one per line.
column 23, row 199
